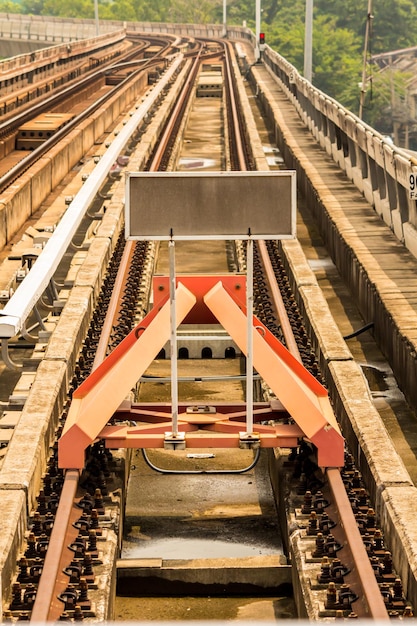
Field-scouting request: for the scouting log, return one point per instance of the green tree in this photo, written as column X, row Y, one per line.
column 386, row 105
column 393, row 24
column 69, row 8
column 32, row 7
column 6, row 6
column 336, row 61
column 288, row 41
column 201, row 12
column 336, row 56
column 118, row 10
column 152, row 10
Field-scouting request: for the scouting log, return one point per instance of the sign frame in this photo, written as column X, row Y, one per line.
column 251, row 205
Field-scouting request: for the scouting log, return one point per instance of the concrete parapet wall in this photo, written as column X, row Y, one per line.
column 13, row 524
column 29, row 448
column 73, row 325
column 399, row 518
column 38, row 29
column 374, row 295
column 379, row 170
column 384, row 473
column 41, row 181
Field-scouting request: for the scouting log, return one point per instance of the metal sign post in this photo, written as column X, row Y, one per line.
column 257, row 28
column 249, row 350
column 308, row 42
column 173, row 339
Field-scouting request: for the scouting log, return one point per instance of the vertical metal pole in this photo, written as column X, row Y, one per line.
column 364, row 85
column 257, row 28
column 249, row 351
column 173, row 339
column 224, row 18
column 308, row 42
column 96, row 17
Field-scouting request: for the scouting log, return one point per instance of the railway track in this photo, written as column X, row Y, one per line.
column 115, row 325
column 82, row 90
column 116, row 315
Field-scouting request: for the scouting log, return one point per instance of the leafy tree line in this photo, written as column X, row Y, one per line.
column 338, row 36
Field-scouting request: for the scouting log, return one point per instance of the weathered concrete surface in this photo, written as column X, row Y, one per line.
column 210, row 529
column 218, row 608
column 209, row 576
column 29, row 447
column 13, row 522
column 236, row 508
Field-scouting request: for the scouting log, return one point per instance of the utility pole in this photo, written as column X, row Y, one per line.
column 364, row 84
column 308, row 42
column 257, row 28
column 224, row 18
column 96, row 17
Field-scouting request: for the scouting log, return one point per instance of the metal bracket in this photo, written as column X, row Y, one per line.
column 249, row 441
column 174, row 441
column 11, row 365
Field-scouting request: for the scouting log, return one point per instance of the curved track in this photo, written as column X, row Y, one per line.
column 88, row 84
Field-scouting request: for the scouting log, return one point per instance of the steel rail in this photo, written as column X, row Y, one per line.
column 374, row 604
column 171, row 127
column 114, row 305
column 371, row 596
column 46, row 593
column 51, row 584
column 363, row 568
column 24, row 164
column 46, row 608
column 59, row 95
column 237, row 135
column 40, row 104
column 278, row 302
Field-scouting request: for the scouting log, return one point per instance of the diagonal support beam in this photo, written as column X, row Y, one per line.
column 95, row 401
column 303, row 397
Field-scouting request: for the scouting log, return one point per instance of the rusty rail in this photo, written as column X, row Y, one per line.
column 370, row 592
column 364, row 582
column 47, row 607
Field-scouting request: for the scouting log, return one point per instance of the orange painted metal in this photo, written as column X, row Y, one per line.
column 199, row 286
column 265, row 410
column 210, row 430
column 102, row 393
column 198, row 439
column 99, row 396
column 303, row 397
